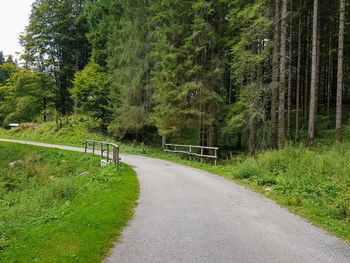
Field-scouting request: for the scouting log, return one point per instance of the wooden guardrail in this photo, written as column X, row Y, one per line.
column 106, row 149
column 179, row 148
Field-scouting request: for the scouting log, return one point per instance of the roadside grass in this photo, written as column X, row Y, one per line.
column 71, row 133
column 49, row 212
column 314, row 183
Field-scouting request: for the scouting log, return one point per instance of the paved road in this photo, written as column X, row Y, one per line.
column 188, row 215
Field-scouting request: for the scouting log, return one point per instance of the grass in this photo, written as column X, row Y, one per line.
column 52, row 213
column 314, row 183
column 72, row 133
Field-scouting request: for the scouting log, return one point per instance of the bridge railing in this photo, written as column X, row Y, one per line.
column 109, row 150
column 196, row 151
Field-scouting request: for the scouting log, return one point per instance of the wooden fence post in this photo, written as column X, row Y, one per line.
column 115, row 155
column 216, row 157
column 108, row 150
column 107, row 153
column 117, row 165
column 201, row 155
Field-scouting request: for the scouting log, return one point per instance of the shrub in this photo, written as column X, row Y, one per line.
column 246, row 171
column 266, row 181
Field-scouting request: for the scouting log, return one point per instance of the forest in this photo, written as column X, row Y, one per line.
column 231, row 73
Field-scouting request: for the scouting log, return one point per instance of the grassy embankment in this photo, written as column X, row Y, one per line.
column 52, row 213
column 314, row 183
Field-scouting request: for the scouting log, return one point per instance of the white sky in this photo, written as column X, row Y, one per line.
column 14, row 17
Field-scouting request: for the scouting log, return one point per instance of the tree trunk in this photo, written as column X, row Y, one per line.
column 307, row 69
column 330, row 73
column 239, row 140
column 202, row 129
column 251, row 138
column 45, row 106
column 289, row 101
column 298, row 83
column 306, row 83
column 213, row 135
column 311, row 131
column 164, row 141
column 274, row 90
column 338, row 132
column 317, row 82
column 230, row 92
column 282, row 86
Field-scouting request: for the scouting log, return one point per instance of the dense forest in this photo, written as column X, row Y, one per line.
column 233, row 73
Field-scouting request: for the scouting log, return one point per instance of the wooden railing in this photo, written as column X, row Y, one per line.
column 197, row 151
column 106, row 149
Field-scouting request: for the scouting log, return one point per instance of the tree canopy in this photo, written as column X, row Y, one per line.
column 205, row 72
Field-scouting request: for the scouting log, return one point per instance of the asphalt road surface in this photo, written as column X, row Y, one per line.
column 189, row 215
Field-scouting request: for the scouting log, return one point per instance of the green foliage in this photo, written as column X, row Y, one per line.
column 101, row 16
column 250, row 52
column 51, row 213
column 246, row 171
column 129, row 68
column 73, row 130
column 24, row 95
column 182, row 67
column 90, row 92
column 3, row 73
column 55, row 44
column 188, row 64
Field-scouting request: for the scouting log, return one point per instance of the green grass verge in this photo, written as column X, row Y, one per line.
column 314, row 183
column 72, row 133
column 51, row 213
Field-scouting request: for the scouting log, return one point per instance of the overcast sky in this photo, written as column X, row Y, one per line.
column 14, row 16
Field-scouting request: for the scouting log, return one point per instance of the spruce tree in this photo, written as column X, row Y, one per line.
column 129, row 69
column 3, row 74
column 338, row 131
column 174, row 91
column 311, row 131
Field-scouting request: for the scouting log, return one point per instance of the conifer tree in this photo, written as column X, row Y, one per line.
column 311, row 131
column 129, row 69
column 249, row 54
column 338, row 132
column 209, row 25
column 282, row 84
column 174, row 92
column 275, row 70
column 3, row 74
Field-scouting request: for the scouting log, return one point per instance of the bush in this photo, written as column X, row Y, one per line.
column 246, row 171
column 268, row 181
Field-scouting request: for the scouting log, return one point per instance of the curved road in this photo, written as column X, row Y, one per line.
column 189, row 215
